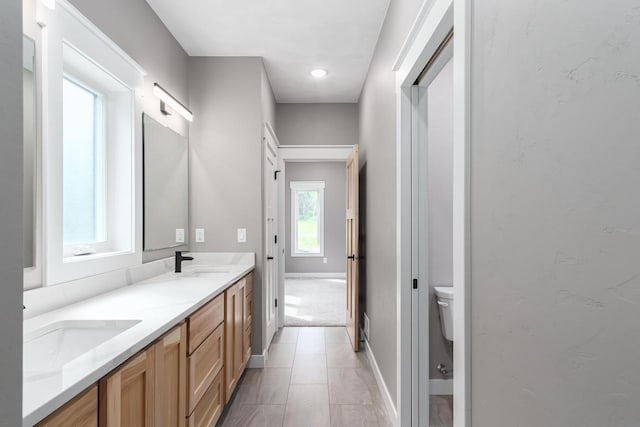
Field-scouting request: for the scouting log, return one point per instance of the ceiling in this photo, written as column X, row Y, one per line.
column 292, row 36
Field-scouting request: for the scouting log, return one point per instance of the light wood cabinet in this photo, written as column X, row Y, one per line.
column 127, row 396
column 82, row 411
column 203, row 366
column 238, row 318
column 204, row 321
column 171, row 378
column 182, row 379
column 231, row 303
column 208, row 410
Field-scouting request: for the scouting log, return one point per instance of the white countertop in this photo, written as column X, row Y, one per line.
column 158, row 304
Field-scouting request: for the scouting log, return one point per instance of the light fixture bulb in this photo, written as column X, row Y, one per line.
column 319, row 73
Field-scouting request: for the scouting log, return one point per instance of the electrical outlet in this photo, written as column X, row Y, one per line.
column 242, row 235
column 179, row 235
column 324, row 260
column 199, row 235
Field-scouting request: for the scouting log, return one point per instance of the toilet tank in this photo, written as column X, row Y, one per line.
column 444, row 298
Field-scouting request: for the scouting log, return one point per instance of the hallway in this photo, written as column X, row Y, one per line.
column 312, row 378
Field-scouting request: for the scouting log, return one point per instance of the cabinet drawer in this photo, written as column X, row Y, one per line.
column 201, row 323
column 80, row 412
column 203, row 366
column 208, row 410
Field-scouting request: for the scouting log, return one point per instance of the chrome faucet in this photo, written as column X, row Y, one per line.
column 179, row 259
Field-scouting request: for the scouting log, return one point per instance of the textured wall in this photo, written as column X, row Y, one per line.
column 378, row 177
column 11, row 213
column 555, row 213
column 334, row 174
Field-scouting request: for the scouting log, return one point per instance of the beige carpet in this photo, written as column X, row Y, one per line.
column 315, row 302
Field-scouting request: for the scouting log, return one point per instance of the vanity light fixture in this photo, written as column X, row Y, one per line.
column 167, row 99
column 319, row 73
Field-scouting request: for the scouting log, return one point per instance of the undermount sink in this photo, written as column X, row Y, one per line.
column 49, row 348
column 220, row 269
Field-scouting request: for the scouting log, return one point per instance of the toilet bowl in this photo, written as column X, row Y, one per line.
column 444, row 298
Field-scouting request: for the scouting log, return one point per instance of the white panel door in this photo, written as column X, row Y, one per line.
column 272, row 255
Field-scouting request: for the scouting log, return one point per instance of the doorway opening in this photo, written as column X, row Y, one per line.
column 433, row 230
column 317, row 216
column 314, row 235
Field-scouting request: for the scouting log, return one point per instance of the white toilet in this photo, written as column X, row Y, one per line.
column 444, row 297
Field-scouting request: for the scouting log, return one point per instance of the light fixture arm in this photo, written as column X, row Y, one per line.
column 166, row 99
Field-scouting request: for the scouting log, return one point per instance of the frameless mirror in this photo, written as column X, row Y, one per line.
column 30, row 151
column 166, row 186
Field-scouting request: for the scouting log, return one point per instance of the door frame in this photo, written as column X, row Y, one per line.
column 292, row 154
column 434, row 22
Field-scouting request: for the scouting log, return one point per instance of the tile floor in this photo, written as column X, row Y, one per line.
column 312, row 379
column 315, row 302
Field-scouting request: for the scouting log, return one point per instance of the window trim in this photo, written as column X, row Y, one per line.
column 67, row 27
column 296, row 186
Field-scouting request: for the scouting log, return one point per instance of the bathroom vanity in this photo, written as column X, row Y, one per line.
column 167, row 351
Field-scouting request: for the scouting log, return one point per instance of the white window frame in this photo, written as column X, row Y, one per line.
column 306, row 186
column 66, row 26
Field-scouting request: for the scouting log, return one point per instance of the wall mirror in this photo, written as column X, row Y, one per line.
column 30, row 181
column 166, row 186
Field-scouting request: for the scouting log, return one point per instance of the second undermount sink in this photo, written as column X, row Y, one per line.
column 204, row 270
column 49, row 348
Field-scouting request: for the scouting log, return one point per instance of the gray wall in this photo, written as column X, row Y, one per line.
column 334, row 174
column 11, row 213
column 135, row 27
column 378, row 184
column 226, row 159
column 555, row 213
column 317, row 124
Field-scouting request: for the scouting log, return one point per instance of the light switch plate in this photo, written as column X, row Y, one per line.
column 324, row 260
column 199, row 235
column 242, row 235
column 179, row 235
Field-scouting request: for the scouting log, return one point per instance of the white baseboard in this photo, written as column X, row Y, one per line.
column 389, row 407
column 342, row 276
column 258, row 361
column 441, row 386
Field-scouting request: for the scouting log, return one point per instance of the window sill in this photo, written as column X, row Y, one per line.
column 311, row 255
column 98, row 255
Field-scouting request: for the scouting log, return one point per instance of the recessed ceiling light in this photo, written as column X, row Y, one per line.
column 318, row 73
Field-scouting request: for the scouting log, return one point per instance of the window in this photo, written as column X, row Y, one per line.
column 84, row 175
column 307, row 218
column 97, row 147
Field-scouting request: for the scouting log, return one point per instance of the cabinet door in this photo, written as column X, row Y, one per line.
column 230, row 339
column 170, row 378
column 127, row 395
column 80, row 412
column 239, row 331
